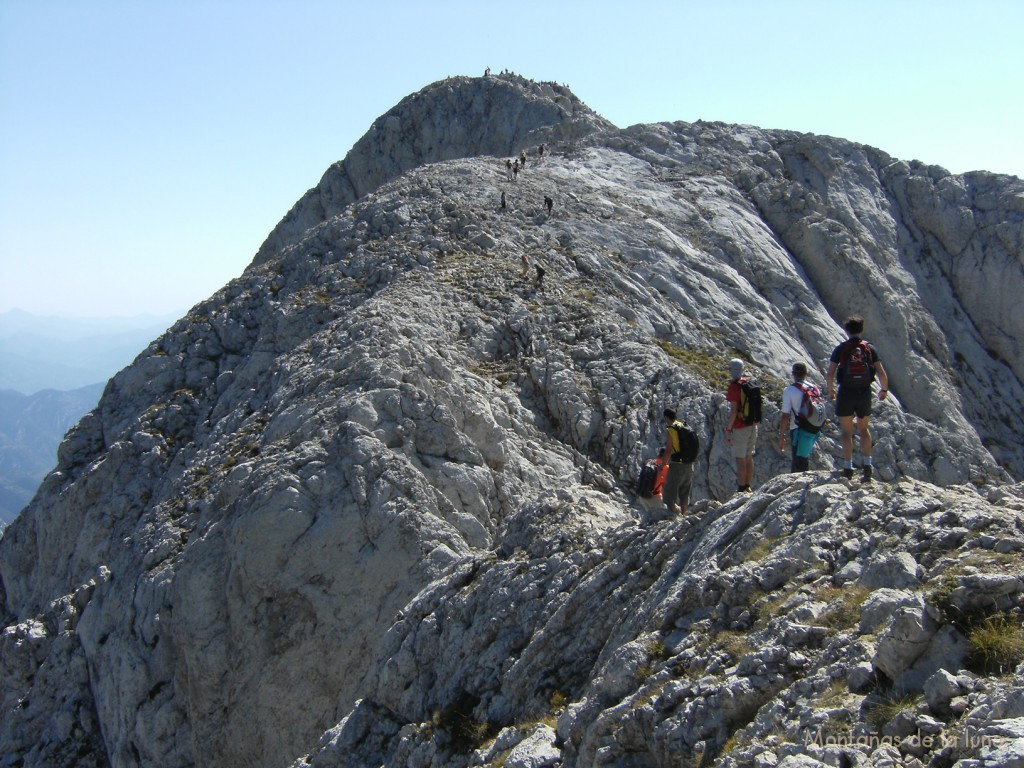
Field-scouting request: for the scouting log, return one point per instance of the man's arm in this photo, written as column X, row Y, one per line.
column 667, row 451
column 830, row 379
column 733, row 408
column 783, row 428
column 732, row 396
column 883, row 380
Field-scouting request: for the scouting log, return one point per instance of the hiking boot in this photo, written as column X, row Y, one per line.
column 867, row 474
column 848, row 473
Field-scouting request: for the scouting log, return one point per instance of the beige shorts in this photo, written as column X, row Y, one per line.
column 743, row 441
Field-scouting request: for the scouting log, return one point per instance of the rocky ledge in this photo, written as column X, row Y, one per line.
column 812, row 623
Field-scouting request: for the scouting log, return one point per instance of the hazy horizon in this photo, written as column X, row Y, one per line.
column 148, row 316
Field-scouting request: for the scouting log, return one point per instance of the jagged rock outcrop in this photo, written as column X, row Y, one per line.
column 754, row 633
column 370, row 502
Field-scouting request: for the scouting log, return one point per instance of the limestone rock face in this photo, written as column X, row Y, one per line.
column 454, row 118
column 724, row 636
column 370, row 504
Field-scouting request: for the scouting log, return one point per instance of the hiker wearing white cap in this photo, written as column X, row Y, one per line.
column 741, row 426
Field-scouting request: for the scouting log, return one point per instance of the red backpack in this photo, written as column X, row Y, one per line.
column 811, row 415
column 855, row 362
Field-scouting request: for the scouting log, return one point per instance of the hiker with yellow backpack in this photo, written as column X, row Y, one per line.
column 680, row 451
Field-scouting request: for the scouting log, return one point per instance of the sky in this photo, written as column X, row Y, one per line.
column 148, row 147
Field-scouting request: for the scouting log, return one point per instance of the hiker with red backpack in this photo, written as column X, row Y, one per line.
column 855, row 365
column 744, row 400
column 803, row 415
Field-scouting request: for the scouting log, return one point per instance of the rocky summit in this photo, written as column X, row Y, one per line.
column 372, row 503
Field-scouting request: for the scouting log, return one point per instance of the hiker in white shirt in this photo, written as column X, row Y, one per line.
column 795, row 429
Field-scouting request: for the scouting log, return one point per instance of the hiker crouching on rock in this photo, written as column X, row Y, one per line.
column 855, row 364
column 680, row 473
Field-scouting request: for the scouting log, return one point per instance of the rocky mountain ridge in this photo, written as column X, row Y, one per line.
column 369, row 504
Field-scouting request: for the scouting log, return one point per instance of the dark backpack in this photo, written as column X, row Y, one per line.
column 811, row 416
column 749, row 408
column 855, row 362
column 689, row 445
column 646, row 482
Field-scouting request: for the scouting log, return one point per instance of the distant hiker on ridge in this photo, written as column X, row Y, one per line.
column 515, row 170
column 854, row 364
column 508, row 169
column 548, row 203
column 503, row 200
column 522, row 158
column 539, row 282
column 741, row 426
column 540, row 152
column 803, row 413
column 525, row 261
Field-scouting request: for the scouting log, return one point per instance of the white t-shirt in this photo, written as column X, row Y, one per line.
column 792, row 399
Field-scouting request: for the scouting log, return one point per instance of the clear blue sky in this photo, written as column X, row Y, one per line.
column 147, row 148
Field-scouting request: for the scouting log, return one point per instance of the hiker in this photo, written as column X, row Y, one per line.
column 854, row 365
column 680, row 473
column 515, row 170
column 522, row 158
column 503, row 201
column 548, row 203
column 539, row 282
column 800, row 432
column 508, row 169
column 540, row 152
column 525, row 260
column 740, row 435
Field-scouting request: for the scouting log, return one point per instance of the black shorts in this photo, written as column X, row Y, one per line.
column 854, row 402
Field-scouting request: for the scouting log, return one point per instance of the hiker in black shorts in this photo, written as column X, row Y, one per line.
column 855, row 364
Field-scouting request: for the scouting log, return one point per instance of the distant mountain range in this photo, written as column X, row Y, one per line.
column 31, row 428
column 52, row 372
column 66, row 353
